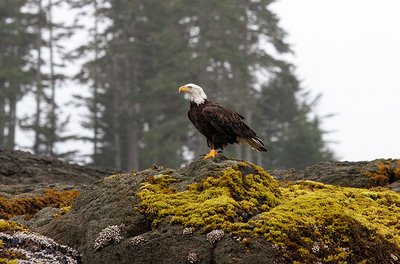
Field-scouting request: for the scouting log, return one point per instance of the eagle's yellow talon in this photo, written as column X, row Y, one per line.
column 211, row 154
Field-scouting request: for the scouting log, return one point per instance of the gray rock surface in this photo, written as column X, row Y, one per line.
column 111, row 201
column 25, row 174
column 346, row 174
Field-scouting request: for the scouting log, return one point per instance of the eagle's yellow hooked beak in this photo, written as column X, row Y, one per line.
column 184, row 89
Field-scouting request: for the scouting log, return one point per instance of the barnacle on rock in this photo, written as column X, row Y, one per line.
column 34, row 248
column 188, row 230
column 136, row 240
column 215, row 236
column 110, row 234
column 193, row 257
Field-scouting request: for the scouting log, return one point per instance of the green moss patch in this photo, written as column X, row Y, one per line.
column 8, row 256
column 10, row 226
column 11, row 256
column 318, row 222
column 223, row 201
column 308, row 222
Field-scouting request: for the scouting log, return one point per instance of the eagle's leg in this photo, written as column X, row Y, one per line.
column 211, row 154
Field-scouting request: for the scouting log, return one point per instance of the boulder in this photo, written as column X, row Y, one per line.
column 360, row 174
column 24, row 174
column 228, row 211
column 113, row 202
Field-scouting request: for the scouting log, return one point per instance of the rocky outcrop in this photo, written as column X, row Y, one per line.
column 24, row 174
column 113, row 202
column 211, row 211
column 362, row 174
column 225, row 211
column 34, row 191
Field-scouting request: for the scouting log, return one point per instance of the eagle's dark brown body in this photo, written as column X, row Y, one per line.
column 222, row 126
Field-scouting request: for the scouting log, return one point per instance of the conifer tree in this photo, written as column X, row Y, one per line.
column 149, row 48
column 45, row 122
column 286, row 121
column 140, row 64
column 15, row 47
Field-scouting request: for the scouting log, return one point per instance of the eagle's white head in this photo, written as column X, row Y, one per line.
column 195, row 92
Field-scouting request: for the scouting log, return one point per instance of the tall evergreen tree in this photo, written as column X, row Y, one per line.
column 92, row 73
column 285, row 119
column 149, row 48
column 138, row 63
column 229, row 45
column 45, row 122
column 15, row 47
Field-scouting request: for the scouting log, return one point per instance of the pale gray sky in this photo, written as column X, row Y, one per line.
column 349, row 50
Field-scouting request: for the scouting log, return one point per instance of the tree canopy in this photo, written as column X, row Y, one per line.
column 138, row 52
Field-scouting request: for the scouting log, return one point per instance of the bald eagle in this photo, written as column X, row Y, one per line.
column 219, row 124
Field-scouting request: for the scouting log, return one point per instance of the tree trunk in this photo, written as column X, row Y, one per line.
column 37, row 123
column 133, row 153
column 117, row 149
column 248, row 150
column 259, row 159
column 116, row 136
column 96, row 83
column 2, row 116
column 12, row 116
column 116, row 102
column 132, row 107
column 238, row 151
column 201, row 146
column 52, row 114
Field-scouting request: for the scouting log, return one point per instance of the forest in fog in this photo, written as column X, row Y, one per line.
column 135, row 55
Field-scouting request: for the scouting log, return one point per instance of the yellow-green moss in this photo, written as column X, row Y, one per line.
column 307, row 221
column 335, row 218
column 6, row 225
column 29, row 206
column 6, row 261
column 8, row 256
column 62, row 211
column 224, row 201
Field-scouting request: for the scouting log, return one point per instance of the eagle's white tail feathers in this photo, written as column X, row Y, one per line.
column 254, row 143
